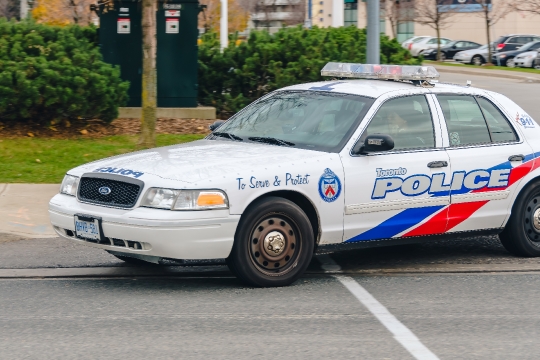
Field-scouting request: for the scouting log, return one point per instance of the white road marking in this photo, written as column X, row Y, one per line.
column 401, row 333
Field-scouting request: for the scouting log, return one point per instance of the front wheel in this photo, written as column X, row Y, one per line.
column 510, row 63
column 273, row 244
column 536, row 64
column 521, row 236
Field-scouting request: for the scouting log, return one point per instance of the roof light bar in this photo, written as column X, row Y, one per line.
column 371, row 71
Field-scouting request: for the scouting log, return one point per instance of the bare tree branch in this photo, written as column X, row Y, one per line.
column 9, row 8
column 492, row 13
column 429, row 13
column 398, row 12
column 532, row 6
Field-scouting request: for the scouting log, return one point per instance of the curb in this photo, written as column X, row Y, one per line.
column 488, row 73
column 207, row 272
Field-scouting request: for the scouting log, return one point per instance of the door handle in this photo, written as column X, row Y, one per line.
column 516, row 157
column 437, row 164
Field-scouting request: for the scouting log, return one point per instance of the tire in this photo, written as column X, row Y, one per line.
column 132, row 261
column 521, row 236
column 510, row 63
column 477, row 60
column 536, row 64
column 443, row 56
column 273, row 244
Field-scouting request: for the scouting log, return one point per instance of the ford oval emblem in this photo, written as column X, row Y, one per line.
column 104, row 190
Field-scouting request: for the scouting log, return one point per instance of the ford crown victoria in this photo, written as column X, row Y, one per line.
column 391, row 157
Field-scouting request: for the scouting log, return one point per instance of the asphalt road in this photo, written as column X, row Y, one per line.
column 525, row 94
column 452, row 316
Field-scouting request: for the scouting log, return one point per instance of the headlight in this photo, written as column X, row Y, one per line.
column 69, row 186
column 170, row 199
column 502, row 56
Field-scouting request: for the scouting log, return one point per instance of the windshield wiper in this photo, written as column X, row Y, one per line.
column 228, row 135
column 271, row 140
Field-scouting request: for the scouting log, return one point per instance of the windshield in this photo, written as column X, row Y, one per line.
column 528, row 45
column 313, row 120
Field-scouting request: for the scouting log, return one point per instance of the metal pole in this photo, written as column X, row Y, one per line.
column 373, row 33
column 224, row 25
column 24, row 10
column 310, row 14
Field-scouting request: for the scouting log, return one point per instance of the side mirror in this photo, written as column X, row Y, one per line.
column 375, row 143
column 454, row 46
column 216, row 124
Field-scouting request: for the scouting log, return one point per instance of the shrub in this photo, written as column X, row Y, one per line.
column 50, row 74
column 248, row 70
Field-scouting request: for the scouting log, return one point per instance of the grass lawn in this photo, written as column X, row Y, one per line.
column 524, row 70
column 36, row 160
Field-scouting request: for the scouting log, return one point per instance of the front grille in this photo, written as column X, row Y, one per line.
column 122, row 194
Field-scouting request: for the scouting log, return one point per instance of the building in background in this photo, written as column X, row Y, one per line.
column 274, row 14
column 398, row 19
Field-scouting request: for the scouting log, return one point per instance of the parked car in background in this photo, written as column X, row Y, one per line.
column 406, row 43
column 536, row 64
column 474, row 56
column 449, row 50
column 426, row 43
column 512, row 42
column 506, row 58
column 526, row 59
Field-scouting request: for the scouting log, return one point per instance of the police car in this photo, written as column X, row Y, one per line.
column 392, row 156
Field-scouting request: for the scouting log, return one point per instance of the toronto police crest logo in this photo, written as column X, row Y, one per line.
column 329, row 186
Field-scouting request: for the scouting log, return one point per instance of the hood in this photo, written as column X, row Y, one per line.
column 526, row 53
column 199, row 160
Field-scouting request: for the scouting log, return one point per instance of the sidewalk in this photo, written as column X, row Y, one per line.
column 478, row 71
column 24, row 210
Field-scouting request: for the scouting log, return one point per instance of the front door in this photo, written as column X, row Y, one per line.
column 401, row 192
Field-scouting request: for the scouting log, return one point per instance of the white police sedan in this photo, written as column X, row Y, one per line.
column 394, row 157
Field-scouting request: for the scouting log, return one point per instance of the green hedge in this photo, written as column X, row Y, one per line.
column 50, row 74
column 244, row 72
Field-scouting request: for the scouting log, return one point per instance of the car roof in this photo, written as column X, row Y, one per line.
column 374, row 88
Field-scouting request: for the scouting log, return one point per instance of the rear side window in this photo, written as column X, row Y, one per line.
column 474, row 121
column 500, row 129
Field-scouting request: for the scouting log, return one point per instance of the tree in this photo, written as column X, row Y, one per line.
column 63, row 12
column 149, row 74
column 9, row 9
column 492, row 14
column 398, row 12
column 429, row 13
column 532, row 6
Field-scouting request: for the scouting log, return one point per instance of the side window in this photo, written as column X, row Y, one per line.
column 464, row 119
column 407, row 120
column 500, row 129
column 432, row 41
column 535, row 46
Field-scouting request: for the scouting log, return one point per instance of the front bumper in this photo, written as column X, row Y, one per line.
column 523, row 62
column 186, row 235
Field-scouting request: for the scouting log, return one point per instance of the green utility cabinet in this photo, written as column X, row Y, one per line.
column 120, row 38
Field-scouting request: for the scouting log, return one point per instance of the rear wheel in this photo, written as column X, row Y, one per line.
column 273, row 244
column 536, row 64
column 521, row 235
column 477, row 60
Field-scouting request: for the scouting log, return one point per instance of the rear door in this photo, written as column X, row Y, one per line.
column 487, row 157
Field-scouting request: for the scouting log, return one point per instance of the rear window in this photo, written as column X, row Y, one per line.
column 501, row 40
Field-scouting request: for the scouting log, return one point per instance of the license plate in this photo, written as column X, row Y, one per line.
column 88, row 228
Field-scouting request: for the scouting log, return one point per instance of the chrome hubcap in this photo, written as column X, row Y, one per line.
column 536, row 219
column 274, row 243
